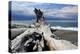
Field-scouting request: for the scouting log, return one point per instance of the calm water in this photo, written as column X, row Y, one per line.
column 62, row 23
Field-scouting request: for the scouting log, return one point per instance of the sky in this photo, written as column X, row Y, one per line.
column 24, row 10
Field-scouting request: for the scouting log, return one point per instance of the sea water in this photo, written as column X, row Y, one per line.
column 62, row 23
column 71, row 24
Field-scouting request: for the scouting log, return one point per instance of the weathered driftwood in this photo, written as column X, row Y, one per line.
column 53, row 43
column 39, row 44
column 17, row 41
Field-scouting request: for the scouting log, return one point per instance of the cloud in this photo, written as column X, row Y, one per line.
column 22, row 8
column 65, row 12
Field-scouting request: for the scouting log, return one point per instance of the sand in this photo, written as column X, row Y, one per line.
column 71, row 36
column 16, row 31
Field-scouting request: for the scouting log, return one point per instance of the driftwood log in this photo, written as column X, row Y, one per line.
column 38, row 39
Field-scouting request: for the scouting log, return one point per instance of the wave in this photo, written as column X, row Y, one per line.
column 65, row 28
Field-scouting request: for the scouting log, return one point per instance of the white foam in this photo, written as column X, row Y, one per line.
column 65, row 28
